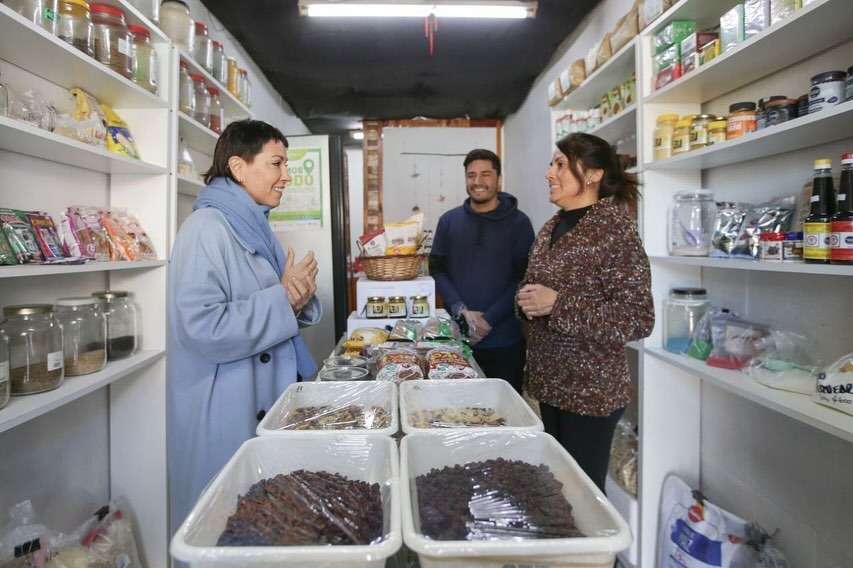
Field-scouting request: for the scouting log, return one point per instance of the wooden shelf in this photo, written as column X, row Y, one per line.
column 64, row 65
column 234, row 107
column 804, row 132
column 30, row 270
column 196, row 135
column 24, row 138
column 189, row 186
column 811, row 30
column 740, row 264
column 797, row 406
column 619, row 126
column 25, row 408
column 613, row 73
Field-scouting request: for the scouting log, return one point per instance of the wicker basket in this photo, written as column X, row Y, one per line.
column 388, row 268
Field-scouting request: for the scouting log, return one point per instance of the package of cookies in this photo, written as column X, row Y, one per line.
column 399, row 365
column 447, row 363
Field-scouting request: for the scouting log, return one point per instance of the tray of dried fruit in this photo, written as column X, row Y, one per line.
column 472, row 404
column 301, row 501
column 498, row 498
column 333, row 407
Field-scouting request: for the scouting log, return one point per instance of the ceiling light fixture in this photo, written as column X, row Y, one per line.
column 495, row 9
column 357, row 134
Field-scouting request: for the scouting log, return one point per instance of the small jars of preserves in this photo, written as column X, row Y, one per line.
column 742, row 120
column 664, row 132
column 396, row 307
column 420, row 307
column 700, row 131
column 376, row 308
column 681, row 137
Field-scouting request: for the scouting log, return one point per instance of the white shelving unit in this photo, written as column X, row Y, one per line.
column 107, row 428
column 687, row 409
column 189, row 186
column 197, row 135
column 234, row 107
column 614, row 72
column 619, row 126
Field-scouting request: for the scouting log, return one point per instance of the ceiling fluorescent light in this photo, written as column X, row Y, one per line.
column 509, row 9
column 357, row 134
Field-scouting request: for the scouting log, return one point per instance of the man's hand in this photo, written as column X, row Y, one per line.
column 536, row 300
column 300, row 279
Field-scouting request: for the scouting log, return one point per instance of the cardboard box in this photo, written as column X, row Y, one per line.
column 732, row 30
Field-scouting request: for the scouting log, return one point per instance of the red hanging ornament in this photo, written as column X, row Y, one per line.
column 430, row 29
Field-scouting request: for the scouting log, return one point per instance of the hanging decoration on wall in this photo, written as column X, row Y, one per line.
column 430, row 29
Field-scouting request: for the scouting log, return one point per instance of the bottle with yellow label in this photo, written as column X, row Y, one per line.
column 817, row 230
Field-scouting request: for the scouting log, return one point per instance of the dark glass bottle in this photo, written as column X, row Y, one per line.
column 817, row 226
column 841, row 242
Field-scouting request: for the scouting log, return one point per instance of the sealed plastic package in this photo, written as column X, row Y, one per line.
column 364, row 407
column 488, row 499
column 253, row 501
column 786, row 362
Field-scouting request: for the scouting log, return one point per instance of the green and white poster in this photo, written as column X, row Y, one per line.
column 301, row 207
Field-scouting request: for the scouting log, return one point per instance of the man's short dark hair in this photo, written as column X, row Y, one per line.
column 483, row 154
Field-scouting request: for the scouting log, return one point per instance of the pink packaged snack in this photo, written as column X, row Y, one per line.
column 47, row 236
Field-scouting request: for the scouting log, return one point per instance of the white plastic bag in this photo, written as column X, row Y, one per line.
column 835, row 385
column 786, row 363
column 694, row 533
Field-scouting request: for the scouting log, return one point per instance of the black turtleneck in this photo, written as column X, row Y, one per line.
column 568, row 221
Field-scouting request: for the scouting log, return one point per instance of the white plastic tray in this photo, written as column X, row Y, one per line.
column 370, row 458
column 628, row 507
column 458, row 393
column 594, row 515
column 367, row 393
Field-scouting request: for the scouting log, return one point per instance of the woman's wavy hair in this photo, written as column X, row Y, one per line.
column 594, row 153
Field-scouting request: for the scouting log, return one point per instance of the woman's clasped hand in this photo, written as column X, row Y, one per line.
column 536, row 301
column 300, row 279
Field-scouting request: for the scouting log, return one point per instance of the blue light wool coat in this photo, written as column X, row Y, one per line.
column 233, row 345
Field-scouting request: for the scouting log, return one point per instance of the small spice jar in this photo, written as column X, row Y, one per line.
column 4, row 370
column 35, row 348
column 202, row 100
column 186, row 90
column 420, row 307
column 74, row 25
column 827, row 90
column 84, row 328
column 717, row 131
column 376, row 307
column 682, row 311
column 681, row 137
column 112, row 39
column 220, row 63
column 122, row 323
column 396, row 307
column 144, row 58
column 203, row 47
column 780, row 110
column 700, row 131
column 742, row 120
column 792, row 247
column 175, row 21
column 664, row 131
column 217, row 113
column 771, row 246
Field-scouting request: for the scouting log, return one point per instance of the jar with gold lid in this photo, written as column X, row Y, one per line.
column 717, row 130
column 700, row 130
column 681, row 136
column 664, row 130
column 396, row 307
column 420, row 307
column 376, row 308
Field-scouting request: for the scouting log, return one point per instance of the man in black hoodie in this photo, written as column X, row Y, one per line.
column 479, row 255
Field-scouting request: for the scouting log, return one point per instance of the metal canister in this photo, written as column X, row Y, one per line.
column 233, row 77
column 377, row 307
column 420, row 307
column 396, row 307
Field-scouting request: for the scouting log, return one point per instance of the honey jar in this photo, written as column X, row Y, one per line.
column 420, row 307
column 377, row 307
column 396, row 307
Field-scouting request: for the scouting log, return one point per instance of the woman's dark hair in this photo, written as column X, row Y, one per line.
column 593, row 153
column 244, row 138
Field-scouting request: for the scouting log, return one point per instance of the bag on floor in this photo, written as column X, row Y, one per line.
column 694, row 533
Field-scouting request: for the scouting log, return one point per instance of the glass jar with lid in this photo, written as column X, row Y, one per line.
column 186, row 90
column 175, row 21
column 203, row 47
column 717, row 131
column 84, row 329
column 420, row 307
column 233, row 77
column 75, row 25
column 122, row 323
column 682, row 311
column 144, row 58
column 217, row 113
column 112, row 39
column 40, row 12
column 691, row 223
column 202, row 100
column 396, row 307
column 742, row 120
column 220, row 63
column 664, row 131
column 35, row 348
column 4, row 370
column 681, row 136
column 700, row 131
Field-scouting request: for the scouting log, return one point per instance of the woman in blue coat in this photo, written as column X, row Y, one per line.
column 235, row 306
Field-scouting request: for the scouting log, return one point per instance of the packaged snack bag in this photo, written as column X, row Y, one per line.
column 47, row 236
column 19, row 233
column 119, row 139
column 123, row 246
column 403, row 238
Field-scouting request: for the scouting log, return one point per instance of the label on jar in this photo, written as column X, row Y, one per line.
column 49, row 15
column 681, row 143
column 716, row 136
column 841, row 241
column 4, row 371
column 123, row 46
column 826, row 95
column 771, row 250
column 792, row 250
column 740, row 125
column 698, row 136
column 54, row 361
column 816, row 238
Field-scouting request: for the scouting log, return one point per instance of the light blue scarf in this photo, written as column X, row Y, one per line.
column 248, row 219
